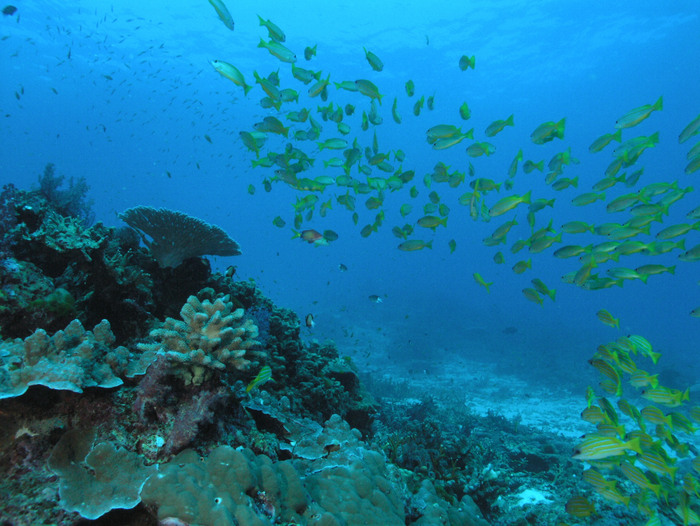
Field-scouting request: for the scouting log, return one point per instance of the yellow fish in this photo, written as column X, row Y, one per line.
column 548, row 131
column 480, row 281
column 223, row 13
column 637, row 115
column 231, row 72
column 415, row 244
column 608, row 319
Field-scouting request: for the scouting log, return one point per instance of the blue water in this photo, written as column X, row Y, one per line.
column 590, row 62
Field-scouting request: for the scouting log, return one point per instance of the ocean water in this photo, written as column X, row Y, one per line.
column 122, row 93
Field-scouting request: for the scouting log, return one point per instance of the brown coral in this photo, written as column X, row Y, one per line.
column 212, row 336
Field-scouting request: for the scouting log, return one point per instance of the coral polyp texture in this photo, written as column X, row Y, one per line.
column 176, row 236
column 71, row 360
column 212, row 336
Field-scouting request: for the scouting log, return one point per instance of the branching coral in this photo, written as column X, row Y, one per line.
column 212, row 336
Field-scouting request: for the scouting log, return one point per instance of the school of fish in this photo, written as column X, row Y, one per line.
column 361, row 170
column 646, row 447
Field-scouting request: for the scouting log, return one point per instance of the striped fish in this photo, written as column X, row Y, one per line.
column 264, row 375
column 599, row 447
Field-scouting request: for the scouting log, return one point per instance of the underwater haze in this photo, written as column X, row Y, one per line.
column 124, row 94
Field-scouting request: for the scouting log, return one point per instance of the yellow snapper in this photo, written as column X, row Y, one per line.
column 231, row 72
column 223, row 13
column 637, row 115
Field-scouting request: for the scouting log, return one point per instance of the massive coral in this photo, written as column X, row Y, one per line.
column 211, row 337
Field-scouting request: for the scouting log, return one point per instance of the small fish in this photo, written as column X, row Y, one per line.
column 509, row 203
column 602, row 141
column 466, row 62
column 278, row 222
column 418, row 106
column 540, row 287
column 208, row 138
column 369, row 89
column 374, row 298
column 637, row 115
column 548, row 131
column 251, row 189
column 415, row 244
column 666, row 396
column 480, row 281
column 692, row 129
column 432, row 222
column 278, row 50
column 310, row 52
column 452, row 244
column 410, row 88
column 230, row 271
column 465, row 112
column 333, row 144
column 599, row 447
column 579, row 507
column 223, row 13
column 373, row 60
column 498, row 258
column 497, row 126
column 231, row 72
column 587, row 198
column 9, row 10
column 533, row 295
column 310, row 236
column 274, row 32
column 522, row 266
column 309, row 321
column 263, row 376
column 342, row 268
column 608, row 319
column 330, row 235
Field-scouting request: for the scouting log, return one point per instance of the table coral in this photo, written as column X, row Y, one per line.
column 177, row 236
column 212, row 336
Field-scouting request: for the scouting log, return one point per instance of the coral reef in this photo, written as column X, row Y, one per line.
column 212, row 336
column 176, row 236
column 305, row 445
